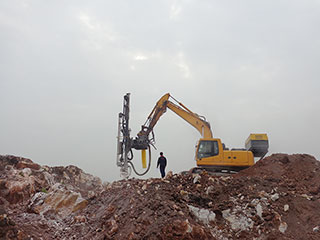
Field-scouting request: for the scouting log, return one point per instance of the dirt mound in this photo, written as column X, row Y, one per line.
column 277, row 198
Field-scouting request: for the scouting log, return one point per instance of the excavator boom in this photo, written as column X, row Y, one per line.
column 195, row 120
column 160, row 108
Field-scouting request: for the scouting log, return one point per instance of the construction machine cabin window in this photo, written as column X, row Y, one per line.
column 208, row 149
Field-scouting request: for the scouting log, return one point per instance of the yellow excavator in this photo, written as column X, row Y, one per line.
column 211, row 154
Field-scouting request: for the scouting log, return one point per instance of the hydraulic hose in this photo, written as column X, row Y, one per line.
column 148, row 168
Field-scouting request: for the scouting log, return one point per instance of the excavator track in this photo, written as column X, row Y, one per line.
column 215, row 171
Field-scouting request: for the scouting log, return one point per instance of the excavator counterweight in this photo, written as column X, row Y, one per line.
column 258, row 144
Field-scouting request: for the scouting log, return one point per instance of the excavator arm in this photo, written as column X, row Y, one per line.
column 146, row 137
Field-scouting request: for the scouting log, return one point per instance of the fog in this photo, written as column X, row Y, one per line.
column 247, row 66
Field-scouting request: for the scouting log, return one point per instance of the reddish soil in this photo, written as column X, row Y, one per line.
column 277, row 198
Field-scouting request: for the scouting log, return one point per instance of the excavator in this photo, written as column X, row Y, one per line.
column 211, row 154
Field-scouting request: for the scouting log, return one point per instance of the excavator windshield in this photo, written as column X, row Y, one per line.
column 207, row 148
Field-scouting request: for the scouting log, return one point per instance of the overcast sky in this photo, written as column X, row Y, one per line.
column 247, row 66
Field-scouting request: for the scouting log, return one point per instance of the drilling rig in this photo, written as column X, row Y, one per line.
column 211, row 154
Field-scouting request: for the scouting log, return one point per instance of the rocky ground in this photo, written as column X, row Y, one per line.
column 277, row 198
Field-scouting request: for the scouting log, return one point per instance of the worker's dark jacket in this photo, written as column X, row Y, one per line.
column 162, row 161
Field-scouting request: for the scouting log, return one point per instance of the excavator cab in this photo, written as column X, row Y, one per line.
column 209, row 152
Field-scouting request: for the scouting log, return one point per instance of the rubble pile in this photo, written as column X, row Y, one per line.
column 277, row 198
column 35, row 199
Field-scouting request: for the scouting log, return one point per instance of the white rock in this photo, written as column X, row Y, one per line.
column 286, row 207
column 196, row 179
column 91, row 194
column 190, row 228
column 212, row 179
column 209, row 190
column 49, row 178
column 204, row 215
column 259, row 210
column 306, row 196
column 238, row 221
column 255, row 202
column 283, row 227
column 275, row 197
column 27, row 171
column 225, row 178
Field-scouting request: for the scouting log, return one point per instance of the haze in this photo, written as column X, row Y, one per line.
column 247, row 66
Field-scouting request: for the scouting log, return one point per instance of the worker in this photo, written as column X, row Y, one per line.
column 162, row 161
